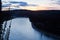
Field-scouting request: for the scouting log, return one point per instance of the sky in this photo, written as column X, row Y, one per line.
column 38, row 2
column 41, row 4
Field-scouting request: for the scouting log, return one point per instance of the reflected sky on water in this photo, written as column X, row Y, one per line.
column 21, row 29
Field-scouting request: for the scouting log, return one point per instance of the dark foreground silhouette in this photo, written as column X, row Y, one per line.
column 4, row 17
column 47, row 21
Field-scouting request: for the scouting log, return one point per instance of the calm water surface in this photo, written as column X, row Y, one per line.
column 21, row 29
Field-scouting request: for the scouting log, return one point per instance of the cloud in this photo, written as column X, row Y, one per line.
column 56, row 2
column 5, row 5
column 22, row 3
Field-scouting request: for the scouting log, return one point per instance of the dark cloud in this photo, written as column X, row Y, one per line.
column 23, row 4
column 20, row 3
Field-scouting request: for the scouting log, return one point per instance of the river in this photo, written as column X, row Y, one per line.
column 21, row 29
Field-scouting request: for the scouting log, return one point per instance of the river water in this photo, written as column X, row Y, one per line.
column 21, row 29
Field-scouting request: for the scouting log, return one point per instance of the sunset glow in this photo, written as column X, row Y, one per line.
column 39, row 5
column 36, row 8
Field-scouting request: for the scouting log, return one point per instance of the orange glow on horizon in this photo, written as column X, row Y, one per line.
column 36, row 8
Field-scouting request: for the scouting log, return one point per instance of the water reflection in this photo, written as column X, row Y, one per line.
column 21, row 29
